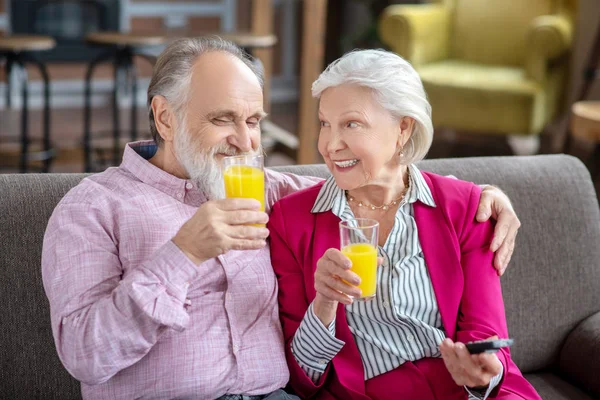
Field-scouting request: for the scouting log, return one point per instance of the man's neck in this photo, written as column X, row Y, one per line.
column 165, row 159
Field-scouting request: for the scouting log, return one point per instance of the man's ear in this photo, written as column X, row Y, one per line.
column 164, row 118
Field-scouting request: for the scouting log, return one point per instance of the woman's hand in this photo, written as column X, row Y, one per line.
column 332, row 270
column 496, row 204
column 471, row 370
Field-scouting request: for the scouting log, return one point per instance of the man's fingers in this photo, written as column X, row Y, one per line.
column 503, row 256
column 247, row 232
column 233, row 204
column 245, row 244
column 245, row 217
column 500, row 232
column 484, row 211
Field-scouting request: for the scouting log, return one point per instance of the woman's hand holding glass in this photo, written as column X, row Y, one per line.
column 334, row 284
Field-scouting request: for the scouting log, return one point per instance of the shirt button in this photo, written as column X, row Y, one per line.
column 386, row 304
column 187, row 284
column 322, row 362
column 179, row 195
column 410, row 337
column 236, row 347
column 188, row 186
column 188, row 302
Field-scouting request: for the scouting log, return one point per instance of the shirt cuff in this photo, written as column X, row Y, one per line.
column 484, row 393
column 174, row 270
column 314, row 345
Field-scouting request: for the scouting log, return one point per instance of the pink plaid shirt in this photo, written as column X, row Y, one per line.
column 133, row 317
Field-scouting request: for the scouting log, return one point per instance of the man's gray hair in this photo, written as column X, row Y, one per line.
column 396, row 86
column 172, row 74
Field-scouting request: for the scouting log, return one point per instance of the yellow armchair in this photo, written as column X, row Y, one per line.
column 489, row 66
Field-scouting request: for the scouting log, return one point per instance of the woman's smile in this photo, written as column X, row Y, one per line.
column 345, row 165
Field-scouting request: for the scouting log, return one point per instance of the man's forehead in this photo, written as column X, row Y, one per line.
column 222, row 69
column 225, row 82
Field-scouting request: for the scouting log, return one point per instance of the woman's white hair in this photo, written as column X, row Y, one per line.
column 396, row 86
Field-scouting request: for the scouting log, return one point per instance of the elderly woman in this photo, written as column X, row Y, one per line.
column 436, row 285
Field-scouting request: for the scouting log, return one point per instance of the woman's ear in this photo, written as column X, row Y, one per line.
column 407, row 125
column 164, row 118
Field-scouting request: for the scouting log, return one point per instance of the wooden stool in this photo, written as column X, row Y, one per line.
column 585, row 125
column 121, row 48
column 18, row 50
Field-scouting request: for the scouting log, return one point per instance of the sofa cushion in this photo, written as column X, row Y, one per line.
column 551, row 285
column 29, row 364
column 551, row 387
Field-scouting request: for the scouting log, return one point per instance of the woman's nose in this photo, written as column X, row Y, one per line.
column 334, row 143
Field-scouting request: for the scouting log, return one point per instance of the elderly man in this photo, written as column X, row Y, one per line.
column 160, row 289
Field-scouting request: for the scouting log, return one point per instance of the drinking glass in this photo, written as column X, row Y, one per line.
column 359, row 239
column 244, row 177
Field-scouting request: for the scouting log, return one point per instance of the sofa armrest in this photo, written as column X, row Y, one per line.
column 418, row 33
column 549, row 37
column 580, row 355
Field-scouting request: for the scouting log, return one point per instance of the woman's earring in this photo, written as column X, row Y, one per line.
column 401, row 154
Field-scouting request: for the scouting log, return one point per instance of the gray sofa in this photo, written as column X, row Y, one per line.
column 552, row 288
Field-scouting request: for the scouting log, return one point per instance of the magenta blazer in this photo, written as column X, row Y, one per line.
column 467, row 288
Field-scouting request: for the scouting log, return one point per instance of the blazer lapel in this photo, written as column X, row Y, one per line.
column 347, row 363
column 442, row 258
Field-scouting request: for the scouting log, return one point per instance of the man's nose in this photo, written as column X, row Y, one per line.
column 242, row 139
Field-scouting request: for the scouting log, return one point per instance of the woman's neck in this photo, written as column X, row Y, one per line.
column 383, row 191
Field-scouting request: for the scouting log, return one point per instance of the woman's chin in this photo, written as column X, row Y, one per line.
column 348, row 182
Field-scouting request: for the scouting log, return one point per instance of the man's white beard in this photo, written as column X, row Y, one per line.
column 202, row 167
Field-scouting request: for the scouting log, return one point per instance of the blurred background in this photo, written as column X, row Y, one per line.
column 504, row 77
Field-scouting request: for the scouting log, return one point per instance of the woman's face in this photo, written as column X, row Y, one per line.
column 359, row 139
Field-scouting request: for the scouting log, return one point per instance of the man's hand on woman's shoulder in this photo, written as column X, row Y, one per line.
column 495, row 203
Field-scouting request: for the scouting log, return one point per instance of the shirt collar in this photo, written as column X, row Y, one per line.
column 136, row 160
column 330, row 194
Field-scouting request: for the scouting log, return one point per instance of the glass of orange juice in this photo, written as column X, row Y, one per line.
column 359, row 239
column 244, row 177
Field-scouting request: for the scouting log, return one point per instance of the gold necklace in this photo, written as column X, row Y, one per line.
column 384, row 207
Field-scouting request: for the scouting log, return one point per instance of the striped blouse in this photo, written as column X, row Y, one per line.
column 402, row 323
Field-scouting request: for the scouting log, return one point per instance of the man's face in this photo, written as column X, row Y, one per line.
column 221, row 118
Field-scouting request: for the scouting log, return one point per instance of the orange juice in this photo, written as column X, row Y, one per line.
column 364, row 264
column 246, row 182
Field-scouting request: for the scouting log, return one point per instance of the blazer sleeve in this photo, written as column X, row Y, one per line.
column 481, row 312
column 293, row 301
